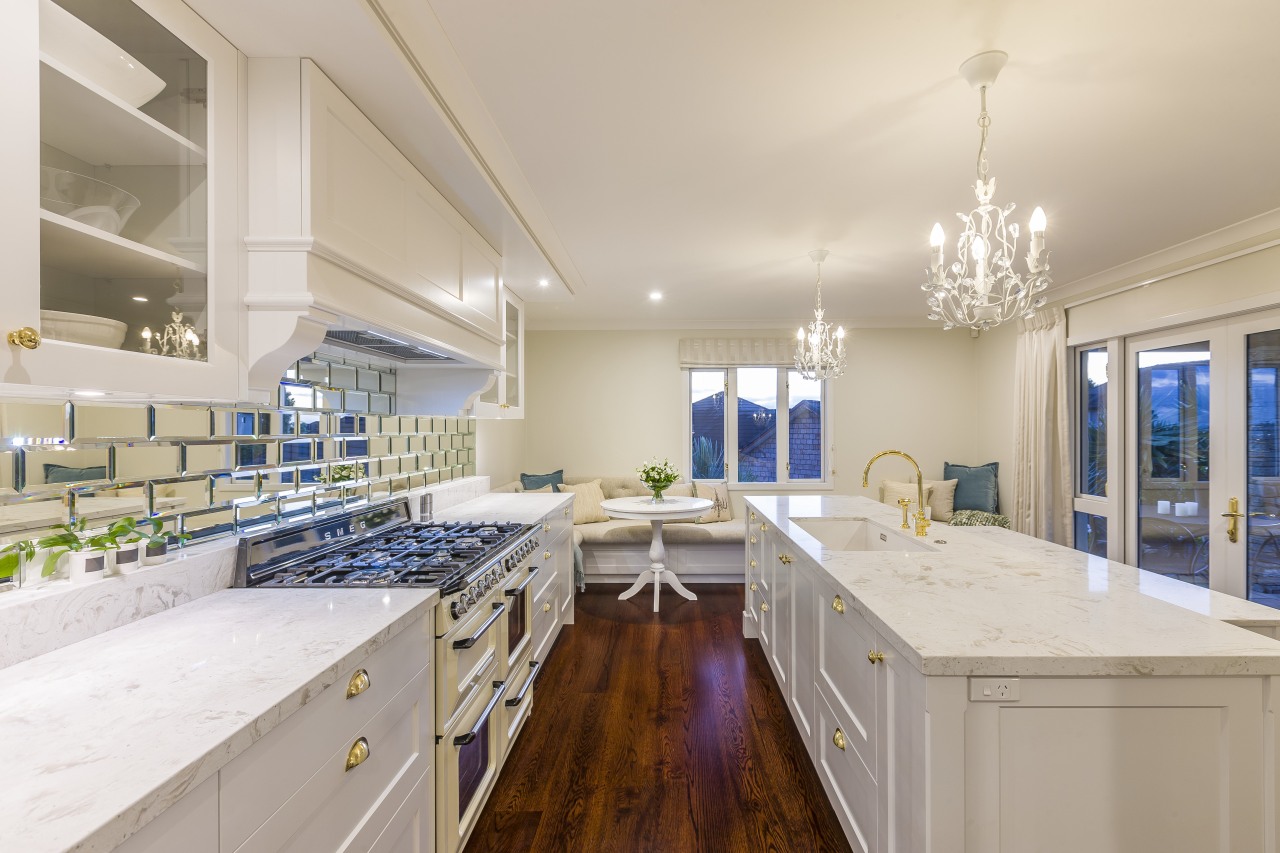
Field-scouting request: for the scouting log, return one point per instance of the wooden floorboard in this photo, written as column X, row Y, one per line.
column 657, row 732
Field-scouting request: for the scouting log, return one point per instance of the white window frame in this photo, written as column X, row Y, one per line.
column 784, row 481
column 1107, row 506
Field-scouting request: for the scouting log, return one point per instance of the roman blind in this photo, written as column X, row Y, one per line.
column 732, row 352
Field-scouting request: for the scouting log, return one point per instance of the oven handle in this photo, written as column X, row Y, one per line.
column 488, row 623
column 532, row 574
column 514, row 701
column 499, row 687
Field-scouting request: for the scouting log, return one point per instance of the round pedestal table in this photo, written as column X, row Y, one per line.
column 644, row 509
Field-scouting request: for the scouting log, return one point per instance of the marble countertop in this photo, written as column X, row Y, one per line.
column 102, row 735
column 986, row 601
column 520, row 507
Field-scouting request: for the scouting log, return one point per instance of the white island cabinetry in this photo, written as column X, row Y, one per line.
column 978, row 692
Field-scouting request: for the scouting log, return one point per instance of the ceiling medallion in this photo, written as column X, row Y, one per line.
column 820, row 353
column 981, row 288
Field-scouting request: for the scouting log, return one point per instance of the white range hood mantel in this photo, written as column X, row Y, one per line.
column 344, row 232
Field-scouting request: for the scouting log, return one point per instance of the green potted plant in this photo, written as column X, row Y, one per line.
column 155, row 541
column 86, row 555
column 127, row 555
column 13, row 559
column 658, row 476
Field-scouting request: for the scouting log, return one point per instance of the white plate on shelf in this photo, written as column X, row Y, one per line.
column 82, row 49
column 82, row 329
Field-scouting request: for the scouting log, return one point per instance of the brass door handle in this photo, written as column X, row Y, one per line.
column 358, row 754
column 875, row 656
column 839, row 740
column 26, row 337
column 358, row 684
column 837, row 604
column 1233, row 516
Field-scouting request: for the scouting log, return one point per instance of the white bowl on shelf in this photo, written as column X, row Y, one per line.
column 82, row 329
column 82, row 198
column 81, row 49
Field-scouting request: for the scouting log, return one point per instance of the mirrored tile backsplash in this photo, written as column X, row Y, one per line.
column 214, row 470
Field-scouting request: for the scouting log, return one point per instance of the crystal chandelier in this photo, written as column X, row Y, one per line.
column 981, row 289
column 820, row 353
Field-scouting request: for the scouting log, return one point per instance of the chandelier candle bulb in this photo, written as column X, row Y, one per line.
column 936, row 239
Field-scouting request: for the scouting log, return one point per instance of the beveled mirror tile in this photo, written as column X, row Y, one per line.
column 422, row 425
column 389, row 383
column 232, row 423
column 368, row 380
column 134, row 462
column 297, row 397
column 202, row 525
column 105, row 506
column 207, row 457
column 437, row 425
column 231, row 489
column 389, row 465
column 355, row 495
column 177, row 422
column 45, row 467
column 400, row 485
column 257, row 515
column 328, row 449
column 308, row 478
column 446, row 474
column 328, row 399
column 296, row 507
column 352, row 424
column 456, row 441
column 256, row 454
column 342, row 376
column 8, row 474
column 313, row 423
column 468, row 426
column 277, row 481
column 169, row 497
column 33, row 518
column 379, row 490
column 425, row 461
column 380, row 404
column 433, row 476
column 355, row 401
column 297, row 451
column 469, row 470
column 274, row 423
column 413, row 444
column 313, row 371
column 408, row 463
column 469, row 440
column 93, row 423
column 399, row 444
column 22, row 423
column 328, row 497
column 431, row 443
column 379, row 445
column 450, row 425
column 389, row 425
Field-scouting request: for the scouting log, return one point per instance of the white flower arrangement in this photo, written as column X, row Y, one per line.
column 658, row 475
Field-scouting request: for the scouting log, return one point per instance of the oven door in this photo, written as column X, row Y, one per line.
column 467, row 760
column 518, row 592
column 470, row 654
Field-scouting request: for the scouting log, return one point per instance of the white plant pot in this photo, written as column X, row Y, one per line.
column 32, row 570
column 155, row 554
column 86, row 566
column 126, row 558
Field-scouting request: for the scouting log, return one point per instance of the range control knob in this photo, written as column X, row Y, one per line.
column 457, row 609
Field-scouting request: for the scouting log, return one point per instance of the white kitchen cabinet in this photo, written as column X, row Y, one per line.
column 86, row 274
column 504, row 398
column 780, row 601
column 750, row 615
column 189, row 825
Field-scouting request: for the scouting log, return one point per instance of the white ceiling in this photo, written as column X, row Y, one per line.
column 703, row 147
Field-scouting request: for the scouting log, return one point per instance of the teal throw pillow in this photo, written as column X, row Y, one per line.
column 978, row 518
column 978, row 486
column 536, row 481
column 66, row 474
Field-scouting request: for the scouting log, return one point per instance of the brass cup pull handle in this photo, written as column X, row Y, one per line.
column 26, row 337
column 358, row 754
column 875, row 656
column 837, row 604
column 764, row 607
column 358, row 684
column 753, row 586
column 839, row 740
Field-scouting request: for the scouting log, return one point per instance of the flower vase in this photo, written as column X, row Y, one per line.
column 657, row 494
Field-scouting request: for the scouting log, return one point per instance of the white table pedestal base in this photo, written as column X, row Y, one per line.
column 658, row 571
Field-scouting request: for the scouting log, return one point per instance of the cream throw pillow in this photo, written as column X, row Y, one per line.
column 718, row 494
column 890, row 491
column 943, row 498
column 586, row 502
column 547, row 489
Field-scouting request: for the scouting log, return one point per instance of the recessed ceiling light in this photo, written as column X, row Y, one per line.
column 139, row 299
column 656, row 296
column 90, row 393
column 543, row 282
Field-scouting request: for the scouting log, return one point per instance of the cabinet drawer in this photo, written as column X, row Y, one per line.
column 844, row 672
column 545, row 559
column 189, row 825
column 557, row 524
column 850, row 787
column 546, row 619
column 763, row 620
column 412, row 829
column 337, row 806
column 259, row 781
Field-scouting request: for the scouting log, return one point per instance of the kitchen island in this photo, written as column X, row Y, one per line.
column 978, row 690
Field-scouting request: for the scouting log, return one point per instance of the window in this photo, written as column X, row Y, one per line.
column 756, row 446
column 1093, row 422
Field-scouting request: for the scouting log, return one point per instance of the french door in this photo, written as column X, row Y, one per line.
column 1202, row 455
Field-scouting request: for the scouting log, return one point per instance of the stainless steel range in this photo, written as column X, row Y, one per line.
column 483, row 571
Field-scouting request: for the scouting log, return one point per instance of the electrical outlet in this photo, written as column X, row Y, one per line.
column 993, row 690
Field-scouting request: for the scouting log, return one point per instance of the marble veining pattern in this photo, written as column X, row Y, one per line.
column 103, row 735
column 992, row 602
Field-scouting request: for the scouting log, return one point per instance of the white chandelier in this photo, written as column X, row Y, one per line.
column 820, row 353
column 981, row 289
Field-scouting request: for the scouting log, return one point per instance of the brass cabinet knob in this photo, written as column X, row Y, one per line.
column 753, row 586
column 26, row 337
column 753, row 540
column 764, row 607
column 546, row 555
column 358, row 754
column 753, row 516
column 764, row 527
column 546, row 607
column 546, row 528
column 784, row 559
column 875, row 656
column 837, row 604
column 358, row 684
column 566, row 513
column 753, row 564
column 839, row 740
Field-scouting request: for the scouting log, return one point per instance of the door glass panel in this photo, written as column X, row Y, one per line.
column 1263, row 503
column 757, row 424
column 707, row 393
column 1091, row 534
column 1173, row 461
column 1093, row 426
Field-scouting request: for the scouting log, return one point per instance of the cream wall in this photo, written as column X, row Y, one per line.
column 499, row 449
column 602, row 402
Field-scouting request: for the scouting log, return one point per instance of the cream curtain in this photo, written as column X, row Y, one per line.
column 731, row 352
column 1042, row 493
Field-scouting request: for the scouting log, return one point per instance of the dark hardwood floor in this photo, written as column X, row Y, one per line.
column 658, row 732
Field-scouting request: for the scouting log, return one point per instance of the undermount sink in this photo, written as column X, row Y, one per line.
column 859, row 534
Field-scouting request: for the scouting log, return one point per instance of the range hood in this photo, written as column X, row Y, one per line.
column 372, row 343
